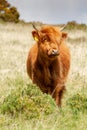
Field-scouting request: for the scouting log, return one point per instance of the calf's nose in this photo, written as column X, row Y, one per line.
column 55, row 52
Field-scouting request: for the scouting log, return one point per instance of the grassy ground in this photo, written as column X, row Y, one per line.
column 15, row 41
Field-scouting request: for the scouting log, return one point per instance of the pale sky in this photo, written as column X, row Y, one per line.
column 52, row 11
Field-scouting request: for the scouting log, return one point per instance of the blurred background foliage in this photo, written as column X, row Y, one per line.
column 8, row 13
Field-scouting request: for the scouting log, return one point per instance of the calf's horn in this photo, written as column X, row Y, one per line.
column 34, row 27
column 62, row 28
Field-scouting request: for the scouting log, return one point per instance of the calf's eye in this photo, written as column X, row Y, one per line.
column 45, row 39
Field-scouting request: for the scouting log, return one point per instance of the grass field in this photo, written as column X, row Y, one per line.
column 15, row 41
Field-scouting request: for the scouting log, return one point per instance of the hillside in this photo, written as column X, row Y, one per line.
column 15, row 41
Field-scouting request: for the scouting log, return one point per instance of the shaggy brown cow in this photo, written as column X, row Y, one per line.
column 48, row 61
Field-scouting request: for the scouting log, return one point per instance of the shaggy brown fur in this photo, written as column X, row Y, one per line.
column 48, row 61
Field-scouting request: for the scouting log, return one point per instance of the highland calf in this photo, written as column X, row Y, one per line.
column 48, row 61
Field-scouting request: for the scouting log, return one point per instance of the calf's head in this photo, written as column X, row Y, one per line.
column 49, row 40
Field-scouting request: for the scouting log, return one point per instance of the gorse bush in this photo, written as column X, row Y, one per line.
column 73, row 25
column 78, row 103
column 29, row 101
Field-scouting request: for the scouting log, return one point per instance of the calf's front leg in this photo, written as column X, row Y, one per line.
column 58, row 94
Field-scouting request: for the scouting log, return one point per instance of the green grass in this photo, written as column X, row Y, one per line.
column 22, row 105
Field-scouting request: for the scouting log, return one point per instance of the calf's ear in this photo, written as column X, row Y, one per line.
column 64, row 35
column 35, row 35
